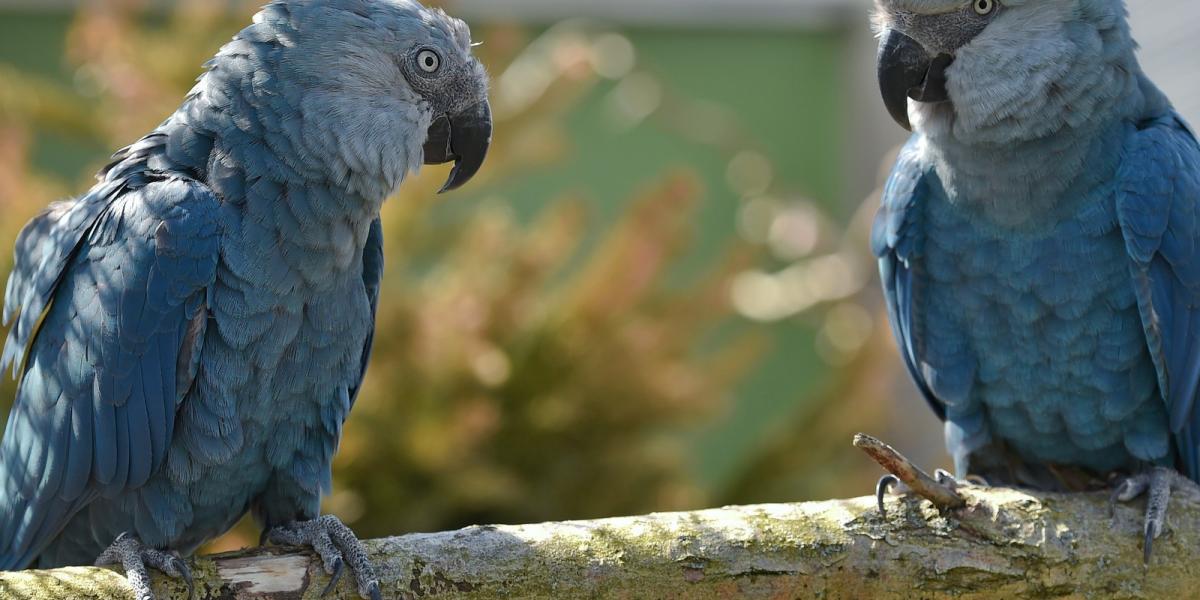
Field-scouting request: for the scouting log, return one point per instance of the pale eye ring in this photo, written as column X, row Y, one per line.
column 984, row 7
column 428, row 61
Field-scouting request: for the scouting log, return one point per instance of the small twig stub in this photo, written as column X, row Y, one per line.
column 942, row 496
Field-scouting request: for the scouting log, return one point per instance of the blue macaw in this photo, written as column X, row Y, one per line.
column 1039, row 244
column 190, row 334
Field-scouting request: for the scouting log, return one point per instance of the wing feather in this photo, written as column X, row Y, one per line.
column 103, row 301
column 895, row 240
column 1158, row 206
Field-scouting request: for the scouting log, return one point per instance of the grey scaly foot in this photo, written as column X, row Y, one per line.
column 1157, row 485
column 129, row 552
column 338, row 548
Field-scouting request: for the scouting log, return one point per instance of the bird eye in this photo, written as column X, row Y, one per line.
column 429, row 61
column 984, row 7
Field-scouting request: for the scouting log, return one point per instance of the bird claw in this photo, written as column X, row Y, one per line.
column 338, row 548
column 129, row 552
column 1148, row 541
column 1127, row 490
column 1156, row 484
column 944, row 477
column 339, row 567
column 373, row 592
column 884, row 484
column 186, row 574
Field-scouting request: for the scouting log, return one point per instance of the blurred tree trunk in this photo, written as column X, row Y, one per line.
column 1003, row 544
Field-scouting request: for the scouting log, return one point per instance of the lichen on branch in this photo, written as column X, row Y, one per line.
column 1002, row 544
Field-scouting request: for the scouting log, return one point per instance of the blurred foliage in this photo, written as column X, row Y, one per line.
column 500, row 392
column 545, row 368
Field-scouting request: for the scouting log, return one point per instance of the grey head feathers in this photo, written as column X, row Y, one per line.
column 1023, row 70
column 338, row 91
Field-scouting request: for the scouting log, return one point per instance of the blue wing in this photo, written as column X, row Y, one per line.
column 106, row 303
column 1158, row 205
column 372, row 276
column 896, row 241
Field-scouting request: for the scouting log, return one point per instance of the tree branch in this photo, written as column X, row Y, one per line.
column 1003, row 543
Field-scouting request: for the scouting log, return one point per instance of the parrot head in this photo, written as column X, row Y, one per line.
column 979, row 64
column 438, row 66
column 385, row 85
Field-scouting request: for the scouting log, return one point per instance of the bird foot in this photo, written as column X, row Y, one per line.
column 127, row 550
column 337, row 546
column 903, row 474
column 1156, row 485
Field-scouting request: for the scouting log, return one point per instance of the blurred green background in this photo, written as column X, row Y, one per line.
column 656, row 296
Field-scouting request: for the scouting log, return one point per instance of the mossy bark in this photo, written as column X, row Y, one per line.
column 1002, row 544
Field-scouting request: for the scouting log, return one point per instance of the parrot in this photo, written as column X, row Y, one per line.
column 190, row 334
column 1038, row 242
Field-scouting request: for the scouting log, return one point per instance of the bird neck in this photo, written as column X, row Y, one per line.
column 1031, row 183
column 269, row 127
column 1041, row 153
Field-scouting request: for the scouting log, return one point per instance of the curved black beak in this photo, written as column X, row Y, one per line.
column 463, row 138
column 906, row 70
